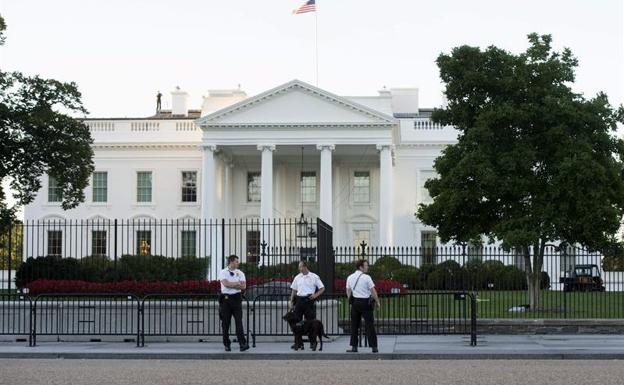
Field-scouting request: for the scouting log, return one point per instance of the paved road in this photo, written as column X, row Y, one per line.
column 156, row 372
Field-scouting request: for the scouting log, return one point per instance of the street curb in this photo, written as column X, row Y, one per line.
column 316, row 357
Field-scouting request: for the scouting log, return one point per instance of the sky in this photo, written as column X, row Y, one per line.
column 120, row 53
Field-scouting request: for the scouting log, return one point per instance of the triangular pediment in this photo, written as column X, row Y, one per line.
column 295, row 102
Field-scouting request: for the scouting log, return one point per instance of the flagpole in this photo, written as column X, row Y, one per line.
column 316, row 42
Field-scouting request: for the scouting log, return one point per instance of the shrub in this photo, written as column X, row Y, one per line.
column 102, row 269
column 50, row 267
column 409, row 275
column 343, row 270
column 384, row 267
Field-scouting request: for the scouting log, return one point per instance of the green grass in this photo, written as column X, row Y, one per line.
column 496, row 304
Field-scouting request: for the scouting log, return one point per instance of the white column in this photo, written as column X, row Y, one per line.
column 227, row 188
column 326, row 182
column 266, row 180
column 208, row 182
column 385, row 195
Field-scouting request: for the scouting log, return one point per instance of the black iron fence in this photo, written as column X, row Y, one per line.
column 419, row 313
column 94, row 316
column 85, row 315
column 108, row 250
column 574, row 283
column 184, row 315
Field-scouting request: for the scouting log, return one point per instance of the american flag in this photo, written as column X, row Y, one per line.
column 309, row 6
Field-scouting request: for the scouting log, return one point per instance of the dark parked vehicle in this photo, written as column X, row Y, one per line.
column 583, row 278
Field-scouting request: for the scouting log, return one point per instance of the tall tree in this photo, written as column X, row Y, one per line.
column 38, row 135
column 535, row 163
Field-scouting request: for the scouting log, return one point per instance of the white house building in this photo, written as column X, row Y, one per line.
column 357, row 162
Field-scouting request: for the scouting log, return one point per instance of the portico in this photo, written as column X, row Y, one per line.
column 346, row 175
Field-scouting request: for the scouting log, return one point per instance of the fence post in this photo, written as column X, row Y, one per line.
column 473, row 319
column 222, row 240
column 115, row 246
column 10, row 254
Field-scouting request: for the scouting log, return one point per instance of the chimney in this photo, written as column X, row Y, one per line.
column 179, row 102
column 218, row 99
column 404, row 100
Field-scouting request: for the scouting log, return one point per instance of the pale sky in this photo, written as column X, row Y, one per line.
column 121, row 52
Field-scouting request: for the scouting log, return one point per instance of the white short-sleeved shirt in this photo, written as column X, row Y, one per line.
column 306, row 284
column 236, row 276
column 363, row 287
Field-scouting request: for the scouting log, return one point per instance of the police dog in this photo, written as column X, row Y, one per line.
column 312, row 328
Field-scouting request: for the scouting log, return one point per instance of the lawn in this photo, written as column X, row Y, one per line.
column 496, row 304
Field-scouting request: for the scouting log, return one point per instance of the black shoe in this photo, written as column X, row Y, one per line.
column 244, row 347
column 375, row 350
column 228, row 349
column 352, row 350
column 293, row 347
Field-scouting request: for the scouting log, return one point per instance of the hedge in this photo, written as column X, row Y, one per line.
column 141, row 288
column 103, row 269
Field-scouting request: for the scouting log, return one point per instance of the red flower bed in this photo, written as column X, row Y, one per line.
column 141, row 288
column 382, row 286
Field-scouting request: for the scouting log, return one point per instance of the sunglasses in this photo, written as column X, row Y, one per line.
column 231, row 274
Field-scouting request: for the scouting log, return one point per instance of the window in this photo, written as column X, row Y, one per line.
column 253, row 246
column 425, row 175
column 188, row 243
column 428, row 246
column 253, row 187
column 54, row 191
column 360, row 236
column 143, row 242
column 189, row 186
column 55, row 242
column 361, row 187
column 308, row 187
column 98, row 242
column 144, row 186
column 100, row 186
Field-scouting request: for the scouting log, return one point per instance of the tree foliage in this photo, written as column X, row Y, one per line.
column 39, row 135
column 534, row 163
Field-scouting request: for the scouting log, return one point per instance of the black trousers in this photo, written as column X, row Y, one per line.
column 359, row 309
column 304, row 307
column 232, row 305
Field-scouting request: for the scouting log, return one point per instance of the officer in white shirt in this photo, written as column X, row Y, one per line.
column 306, row 288
column 362, row 297
column 231, row 302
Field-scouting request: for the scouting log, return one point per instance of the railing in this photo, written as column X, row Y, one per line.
column 128, row 130
column 85, row 314
column 95, row 315
column 184, row 315
column 15, row 315
column 427, row 124
column 423, row 313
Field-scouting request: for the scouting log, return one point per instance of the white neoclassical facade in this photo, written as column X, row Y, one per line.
column 358, row 163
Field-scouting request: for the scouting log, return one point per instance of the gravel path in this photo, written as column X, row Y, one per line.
column 156, row 372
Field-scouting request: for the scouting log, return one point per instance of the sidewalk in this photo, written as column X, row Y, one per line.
column 390, row 348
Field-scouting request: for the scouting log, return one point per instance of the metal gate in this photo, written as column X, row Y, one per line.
column 325, row 254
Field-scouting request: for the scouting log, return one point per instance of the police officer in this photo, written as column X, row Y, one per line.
column 362, row 297
column 306, row 288
column 231, row 302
